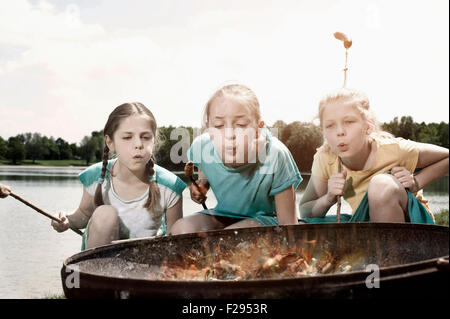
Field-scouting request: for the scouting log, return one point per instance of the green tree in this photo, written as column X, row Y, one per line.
column 87, row 149
column 3, row 148
column 52, row 152
column 16, row 150
column 98, row 143
column 279, row 126
column 21, row 138
column 433, row 133
column 75, row 150
column 406, row 128
column 65, row 152
column 165, row 145
column 429, row 134
column 302, row 140
column 91, row 147
column 35, row 147
column 443, row 134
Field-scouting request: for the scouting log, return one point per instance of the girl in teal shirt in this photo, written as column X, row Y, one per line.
column 252, row 174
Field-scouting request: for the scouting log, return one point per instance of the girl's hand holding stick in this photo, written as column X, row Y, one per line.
column 198, row 191
column 4, row 191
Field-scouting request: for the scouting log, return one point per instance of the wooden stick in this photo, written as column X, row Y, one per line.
column 338, row 211
column 345, row 68
column 189, row 171
column 347, row 44
column 42, row 212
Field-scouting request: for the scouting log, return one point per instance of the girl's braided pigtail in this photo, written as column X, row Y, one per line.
column 153, row 195
column 98, row 197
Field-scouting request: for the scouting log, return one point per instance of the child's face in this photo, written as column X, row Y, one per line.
column 133, row 142
column 233, row 131
column 344, row 129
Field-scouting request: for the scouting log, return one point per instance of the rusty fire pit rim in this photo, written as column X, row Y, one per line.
column 204, row 234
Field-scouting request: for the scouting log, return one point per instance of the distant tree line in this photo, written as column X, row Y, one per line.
column 302, row 139
column 432, row 133
column 34, row 146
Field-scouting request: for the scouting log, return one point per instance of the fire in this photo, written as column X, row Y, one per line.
column 257, row 259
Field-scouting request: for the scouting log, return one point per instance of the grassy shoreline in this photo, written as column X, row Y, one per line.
column 45, row 163
column 442, row 218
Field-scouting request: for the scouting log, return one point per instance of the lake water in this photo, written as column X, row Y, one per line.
column 32, row 253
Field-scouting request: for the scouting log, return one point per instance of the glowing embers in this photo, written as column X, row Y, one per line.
column 260, row 259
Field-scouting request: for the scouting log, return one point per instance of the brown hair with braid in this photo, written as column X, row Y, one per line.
column 117, row 115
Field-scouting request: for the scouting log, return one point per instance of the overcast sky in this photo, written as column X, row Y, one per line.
column 64, row 65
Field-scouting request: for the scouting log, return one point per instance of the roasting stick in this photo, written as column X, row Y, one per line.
column 338, row 210
column 347, row 44
column 189, row 171
column 42, row 212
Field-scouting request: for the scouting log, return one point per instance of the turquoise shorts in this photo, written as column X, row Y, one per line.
column 264, row 220
column 417, row 213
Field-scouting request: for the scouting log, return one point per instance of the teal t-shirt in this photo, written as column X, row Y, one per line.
column 249, row 190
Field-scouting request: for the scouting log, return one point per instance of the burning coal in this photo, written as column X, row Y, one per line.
column 260, row 259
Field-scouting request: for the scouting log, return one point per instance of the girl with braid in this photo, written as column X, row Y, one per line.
column 128, row 196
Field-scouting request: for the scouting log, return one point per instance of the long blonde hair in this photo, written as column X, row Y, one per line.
column 117, row 115
column 238, row 92
column 360, row 102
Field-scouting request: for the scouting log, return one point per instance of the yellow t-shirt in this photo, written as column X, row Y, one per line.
column 391, row 152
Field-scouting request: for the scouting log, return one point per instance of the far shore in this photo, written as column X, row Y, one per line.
column 80, row 167
column 41, row 166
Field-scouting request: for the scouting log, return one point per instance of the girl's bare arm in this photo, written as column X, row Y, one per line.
column 173, row 214
column 315, row 202
column 80, row 217
column 434, row 161
column 285, row 206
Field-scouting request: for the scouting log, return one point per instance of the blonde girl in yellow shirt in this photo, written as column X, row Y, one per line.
column 378, row 177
